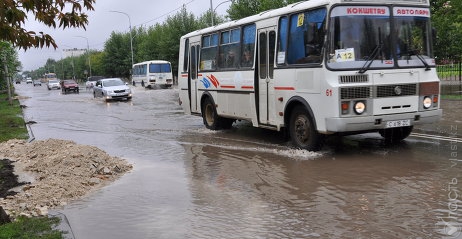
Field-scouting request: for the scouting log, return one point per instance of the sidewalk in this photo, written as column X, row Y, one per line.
column 450, row 124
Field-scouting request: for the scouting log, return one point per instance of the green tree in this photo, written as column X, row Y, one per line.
column 52, row 13
column 158, row 42
column 205, row 20
column 175, row 27
column 8, row 58
column 117, row 57
column 447, row 20
column 147, row 43
column 97, row 63
column 244, row 8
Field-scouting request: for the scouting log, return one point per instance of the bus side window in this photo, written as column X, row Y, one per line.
column 185, row 56
column 229, row 49
column 282, row 41
column 208, row 52
column 306, row 37
column 248, row 46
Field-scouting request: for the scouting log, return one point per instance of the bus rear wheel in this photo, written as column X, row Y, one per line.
column 209, row 114
column 211, row 119
column 302, row 131
column 395, row 135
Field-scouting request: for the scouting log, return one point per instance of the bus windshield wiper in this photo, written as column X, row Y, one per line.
column 415, row 53
column 373, row 55
column 370, row 59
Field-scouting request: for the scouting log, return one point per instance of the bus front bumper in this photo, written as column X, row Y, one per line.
column 352, row 124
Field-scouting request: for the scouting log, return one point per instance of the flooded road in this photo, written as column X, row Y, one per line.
column 190, row 182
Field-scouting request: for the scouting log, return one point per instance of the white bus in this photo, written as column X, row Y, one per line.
column 151, row 73
column 316, row 68
column 49, row 76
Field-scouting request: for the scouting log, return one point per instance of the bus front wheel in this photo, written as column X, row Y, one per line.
column 395, row 135
column 302, row 130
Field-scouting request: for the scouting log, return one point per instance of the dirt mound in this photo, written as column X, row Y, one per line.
column 59, row 171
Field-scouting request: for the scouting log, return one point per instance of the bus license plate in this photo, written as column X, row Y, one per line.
column 398, row 123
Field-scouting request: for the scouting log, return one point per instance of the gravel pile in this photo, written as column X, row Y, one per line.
column 57, row 172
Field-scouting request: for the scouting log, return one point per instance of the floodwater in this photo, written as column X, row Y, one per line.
column 190, row 182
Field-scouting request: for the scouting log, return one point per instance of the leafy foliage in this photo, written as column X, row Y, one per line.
column 32, row 228
column 244, row 8
column 158, row 42
column 52, row 13
column 447, row 20
column 8, row 57
column 117, row 60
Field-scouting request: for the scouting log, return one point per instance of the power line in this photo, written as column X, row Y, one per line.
column 166, row 14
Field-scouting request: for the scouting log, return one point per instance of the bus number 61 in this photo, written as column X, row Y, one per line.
column 329, row 92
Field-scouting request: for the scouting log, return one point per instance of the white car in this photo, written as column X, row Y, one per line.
column 37, row 82
column 53, row 84
column 91, row 81
column 112, row 88
column 29, row 80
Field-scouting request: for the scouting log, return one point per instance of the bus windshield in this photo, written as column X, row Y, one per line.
column 159, row 68
column 413, row 33
column 50, row 75
column 370, row 37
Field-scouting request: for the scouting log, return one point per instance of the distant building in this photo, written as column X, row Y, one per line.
column 73, row 52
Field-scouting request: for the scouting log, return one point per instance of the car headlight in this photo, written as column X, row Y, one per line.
column 427, row 102
column 359, row 107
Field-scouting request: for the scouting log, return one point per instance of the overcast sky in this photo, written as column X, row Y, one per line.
column 102, row 22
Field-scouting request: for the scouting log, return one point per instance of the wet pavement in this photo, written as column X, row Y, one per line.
column 189, row 182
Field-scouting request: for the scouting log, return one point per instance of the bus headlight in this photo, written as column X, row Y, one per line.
column 427, row 102
column 359, row 107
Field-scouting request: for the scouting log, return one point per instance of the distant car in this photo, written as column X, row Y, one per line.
column 91, row 81
column 69, row 85
column 37, row 82
column 29, row 80
column 112, row 88
column 53, row 84
column 17, row 81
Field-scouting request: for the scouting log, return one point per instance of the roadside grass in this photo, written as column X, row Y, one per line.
column 451, row 97
column 12, row 126
column 31, row 228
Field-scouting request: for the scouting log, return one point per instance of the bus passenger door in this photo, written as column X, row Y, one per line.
column 266, row 53
column 192, row 76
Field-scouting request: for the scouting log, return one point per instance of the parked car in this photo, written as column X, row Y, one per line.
column 17, row 81
column 91, row 81
column 29, row 80
column 69, row 85
column 53, row 84
column 37, row 82
column 112, row 88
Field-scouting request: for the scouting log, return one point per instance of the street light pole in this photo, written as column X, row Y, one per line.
column 130, row 27
column 213, row 9
column 88, row 52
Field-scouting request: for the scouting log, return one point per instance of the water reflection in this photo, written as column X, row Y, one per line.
column 389, row 193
